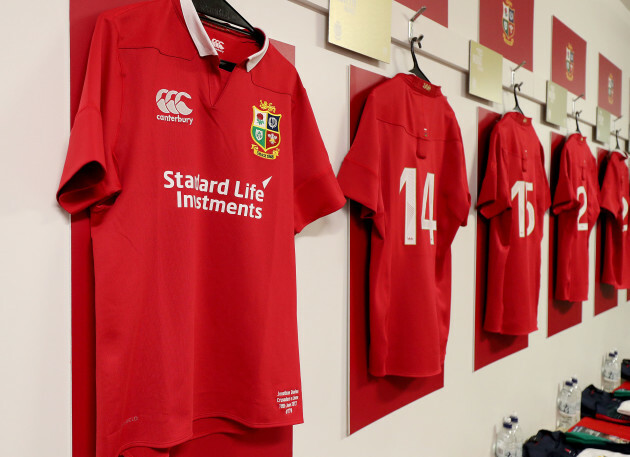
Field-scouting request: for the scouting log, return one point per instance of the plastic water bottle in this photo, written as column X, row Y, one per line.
column 611, row 372
column 564, row 408
column 617, row 367
column 518, row 435
column 577, row 400
column 505, row 445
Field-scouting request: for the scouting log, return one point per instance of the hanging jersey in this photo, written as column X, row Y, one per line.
column 514, row 197
column 197, row 180
column 406, row 167
column 576, row 202
column 615, row 195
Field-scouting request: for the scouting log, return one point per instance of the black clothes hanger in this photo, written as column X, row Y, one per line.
column 617, row 139
column 517, row 107
column 618, row 147
column 221, row 13
column 577, row 122
column 416, row 69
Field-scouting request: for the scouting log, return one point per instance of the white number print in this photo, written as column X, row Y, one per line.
column 582, row 226
column 427, row 199
column 408, row 180
column 520, row 189
column 625, row 213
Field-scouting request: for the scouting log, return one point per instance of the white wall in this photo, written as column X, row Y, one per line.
column 34, row 239
column 34, row 232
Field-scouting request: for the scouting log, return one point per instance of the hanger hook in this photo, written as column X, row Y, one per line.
column 577, row 119
column 517, row 86
column 417, row 40
column 575, row 100
column 413, row 19
column 514, row 70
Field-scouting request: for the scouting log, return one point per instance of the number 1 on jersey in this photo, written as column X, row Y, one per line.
column 408, row 177
column 520, row 189
column 408, row 180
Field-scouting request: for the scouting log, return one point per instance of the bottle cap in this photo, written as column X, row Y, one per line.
column 574, row 379
column 568, row 383
column 611, row 354
column 514, row 419
column 507, row 425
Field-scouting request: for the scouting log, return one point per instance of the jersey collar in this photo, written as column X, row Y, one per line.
column 199, row 36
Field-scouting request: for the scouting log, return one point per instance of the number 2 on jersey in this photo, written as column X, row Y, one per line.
column 582, row 226
column 408, row 180
column 624, row 214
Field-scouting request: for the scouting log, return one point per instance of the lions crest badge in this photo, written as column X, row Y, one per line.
column 611, row 88
column 508, row 22
column 265, row 131
column 569, row 61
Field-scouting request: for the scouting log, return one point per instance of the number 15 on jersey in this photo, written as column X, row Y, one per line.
column 427, row 220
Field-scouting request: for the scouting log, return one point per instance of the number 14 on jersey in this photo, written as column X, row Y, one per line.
column 427, row 220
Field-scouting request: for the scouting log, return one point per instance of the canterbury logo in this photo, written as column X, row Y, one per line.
column 170, row 101
column 218, row 45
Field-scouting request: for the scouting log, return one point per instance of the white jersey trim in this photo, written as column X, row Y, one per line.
column 203, row 42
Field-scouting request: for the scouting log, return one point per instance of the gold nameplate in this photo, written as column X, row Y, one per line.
column 602, row 126
column 556, row 110
column 363, row 26
column 485, row 73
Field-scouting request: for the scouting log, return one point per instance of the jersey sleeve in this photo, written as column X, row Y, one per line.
column 453, row 193
column 609, row 197
column 565, row 197
column 89, row 174
column 360, row 170
column 316, row 192
column 494, row 197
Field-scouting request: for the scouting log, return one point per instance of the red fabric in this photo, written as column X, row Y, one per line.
column 618, row 430
column 561, row 314
column 615, row 195
column 406, row 167
column 371, row 397
column 605, row 294
column 185, row 247
column 576, row 202
column 489, row 347
column 514, row 196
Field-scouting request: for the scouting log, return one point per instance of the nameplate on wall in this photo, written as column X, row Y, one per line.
column 363, row 26
column 486, row 73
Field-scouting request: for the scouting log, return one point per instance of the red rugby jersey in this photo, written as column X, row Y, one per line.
column 614, row 199
column 406, row 167
column 197, row 180
column 576, row 202
column 514, row 196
